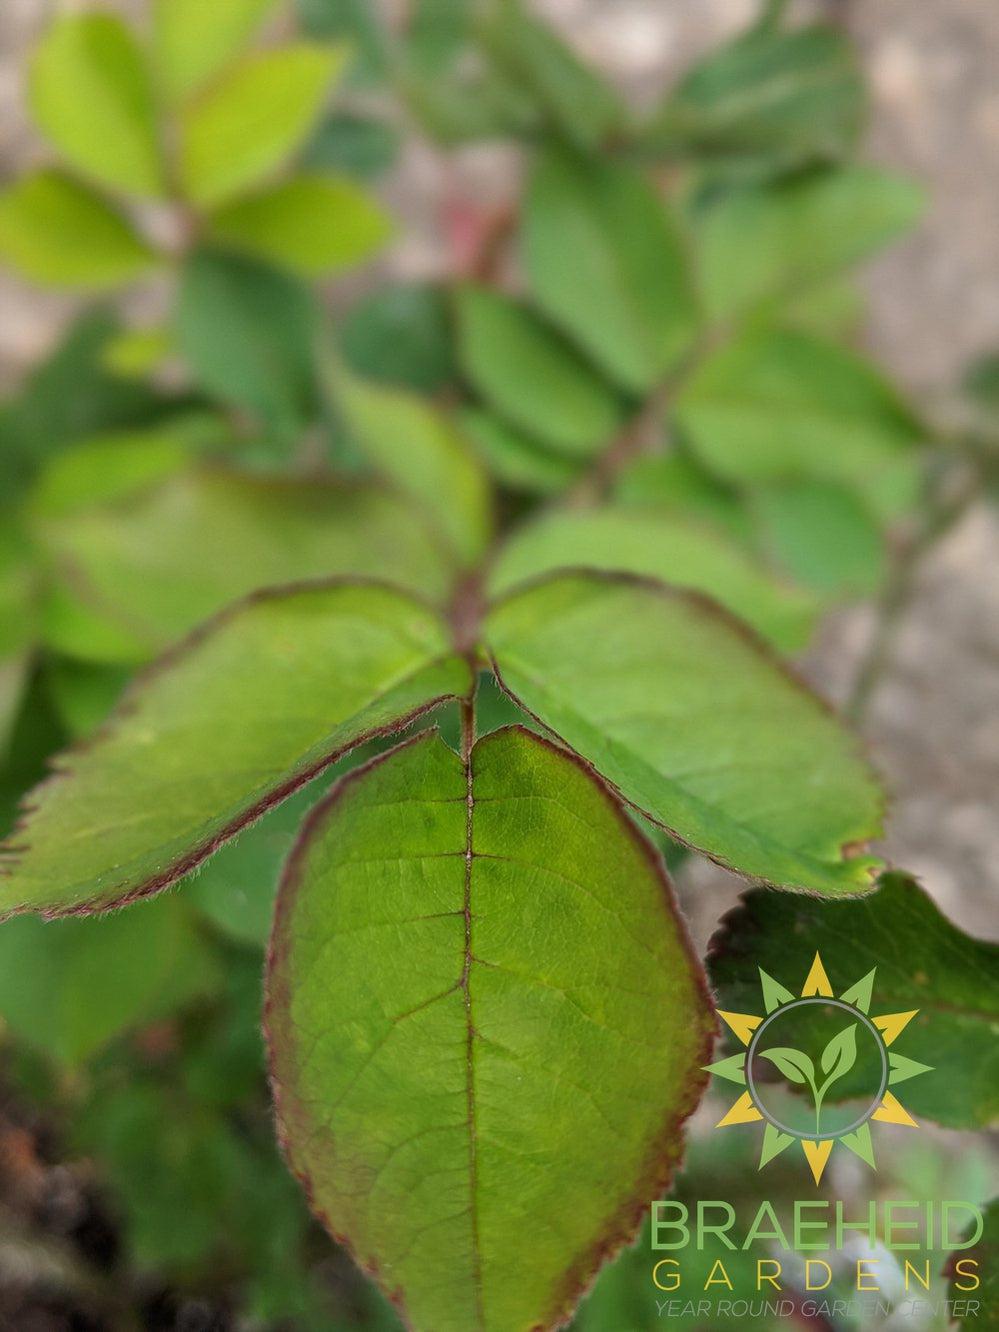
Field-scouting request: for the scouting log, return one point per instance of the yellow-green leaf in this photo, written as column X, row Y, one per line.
column 91, row 96
column 193, row 40
column 312, row 223
column 57, row 231
column 242, row 128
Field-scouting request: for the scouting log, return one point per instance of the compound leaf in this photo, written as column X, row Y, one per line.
column 252, row 706
column 312, row 223
column 155, row 563
column 91, row 95
column 605, row 261
column 646, row 540
column 531, row 376
column 921, row 964
column 685, row 712
column 527, row 1046
column 253, row 118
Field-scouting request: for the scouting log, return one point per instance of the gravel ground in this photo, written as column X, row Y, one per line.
column 934, row 303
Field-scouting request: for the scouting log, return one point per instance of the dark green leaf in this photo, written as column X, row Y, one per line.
column 780, row 96
column 357, row 145
column 573, row 97
column 248, row 333
column 921, row 961
column 66, row 397
column 528, row 1045
column 678, row 482
column 354, row 21
column 400, row 334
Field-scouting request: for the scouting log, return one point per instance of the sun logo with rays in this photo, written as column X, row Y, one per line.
column 817, row 1069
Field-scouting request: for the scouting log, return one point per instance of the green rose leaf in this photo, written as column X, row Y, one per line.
column 778, row 405
column 685, row 712
column 774, row 240
column 568, row 92
column 418, row 449
column 505, row 1091
column 68, row 988
column 794, row 1065
column 915, row 962
column 531, row 375
column 249, row 709
column 155, row 563
column 779, row 96
column 192, row 40
column 824, row 535
column 401, row 334
column 252, row 119
column 68, row 396
column 91, row 95
column 516, row 459
column 248, row 332
column 313, row 224
column 605, row 261
column 650, row 541
column 56, row 231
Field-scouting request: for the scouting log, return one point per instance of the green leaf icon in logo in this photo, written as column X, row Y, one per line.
column 794, row 1064
column 838, row 1058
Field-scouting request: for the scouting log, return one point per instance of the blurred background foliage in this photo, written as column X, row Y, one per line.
column 647, row 361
